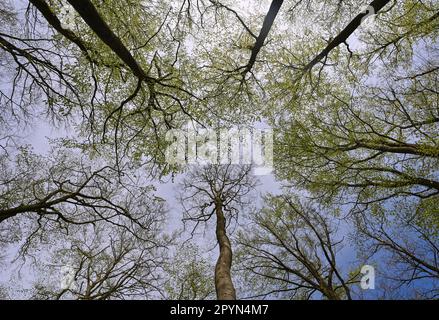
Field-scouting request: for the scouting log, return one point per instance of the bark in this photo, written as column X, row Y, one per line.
column 266, row 27
column 91, row 16
column 43, row 205
column 377, row 5
column 330, row 294
column 223, row 279
column 391, row 147
column 52, row 19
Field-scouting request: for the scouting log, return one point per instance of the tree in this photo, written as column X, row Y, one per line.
column 188, row 275
column 44, row 195
column 361, row 132
column 373, row 8
column 290, row 251
column 359, row 141
column 85, row 77
column 218, row 191
column 101, row 263
column 405, row 244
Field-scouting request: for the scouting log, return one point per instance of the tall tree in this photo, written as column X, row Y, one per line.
column 189, row 274
column 101, row 263
column 44, row 195
column 404, row 242
column 291, row 251
column 218, row 191
column 351, row 139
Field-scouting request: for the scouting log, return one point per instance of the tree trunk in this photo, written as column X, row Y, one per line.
column 329, row 293
column 223, row 279
column 374, row 7
column 266, row 27
column 91, row 16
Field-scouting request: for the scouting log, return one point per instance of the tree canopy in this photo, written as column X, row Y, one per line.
column 350, row 90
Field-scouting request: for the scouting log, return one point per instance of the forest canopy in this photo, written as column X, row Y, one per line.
column 342, row 96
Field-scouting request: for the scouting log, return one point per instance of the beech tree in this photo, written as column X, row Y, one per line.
column 219, row 191
column 362, row 131
column 189, row 275
column 290, row 251
column 43, row 196
column 405, row 246
column 102, row 263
